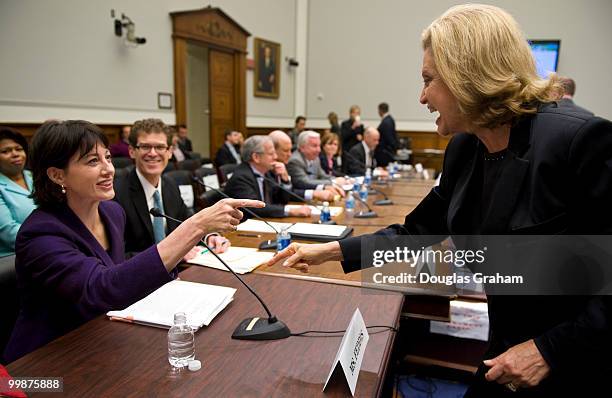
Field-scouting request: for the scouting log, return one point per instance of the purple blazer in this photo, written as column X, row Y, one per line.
column 65, row 277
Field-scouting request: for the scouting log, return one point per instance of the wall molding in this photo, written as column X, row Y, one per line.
column 400, row 125
column 37, row 112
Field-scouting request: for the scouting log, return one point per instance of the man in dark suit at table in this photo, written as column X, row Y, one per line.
column 260, row 177
column 300, row 125
column 567, row 100
column 305, row 166
column 183, row 141
column 388, row 136
column 361, row 156
column 145, row 187
column 282, row 146
column 229, row 152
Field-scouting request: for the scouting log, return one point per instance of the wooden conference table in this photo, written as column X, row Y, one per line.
column 105, row 358
column 114, row 359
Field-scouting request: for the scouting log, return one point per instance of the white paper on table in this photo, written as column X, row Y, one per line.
column 316, row 211
column 199, row 301
column 252, row 225
column 317, row 229
column 186, row 195
column 468, row 320
column 240, row 259
column 211, row 180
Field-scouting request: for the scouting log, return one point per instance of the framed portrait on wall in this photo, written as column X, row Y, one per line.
column 267, row 68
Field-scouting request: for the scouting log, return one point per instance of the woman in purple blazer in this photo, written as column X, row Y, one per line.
column 70, row 252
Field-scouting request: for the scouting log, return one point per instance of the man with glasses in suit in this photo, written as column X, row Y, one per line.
column 145, row 187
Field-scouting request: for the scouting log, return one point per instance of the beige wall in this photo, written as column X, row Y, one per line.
column 60, row 58
column 365, row 52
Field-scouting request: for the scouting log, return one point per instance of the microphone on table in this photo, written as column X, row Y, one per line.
column 299, row 198
column 269, row 244
column 364, row 214
column 382, row 202
column 250, row 328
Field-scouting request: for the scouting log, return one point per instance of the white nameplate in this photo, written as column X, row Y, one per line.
column 350, row 353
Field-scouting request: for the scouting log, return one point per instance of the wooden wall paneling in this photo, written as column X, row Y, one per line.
column 180, row 80
column 112, row 131
column 240, row 90
column 222, row 95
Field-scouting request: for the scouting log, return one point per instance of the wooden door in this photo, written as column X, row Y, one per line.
column 227, row 41
column 222, row 91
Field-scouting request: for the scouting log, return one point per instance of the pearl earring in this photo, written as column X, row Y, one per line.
column 63, row 189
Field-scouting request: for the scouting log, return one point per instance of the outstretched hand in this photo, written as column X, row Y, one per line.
column 301, row 256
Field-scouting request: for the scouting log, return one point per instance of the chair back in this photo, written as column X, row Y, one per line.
column 9, row 298
column 224, row 172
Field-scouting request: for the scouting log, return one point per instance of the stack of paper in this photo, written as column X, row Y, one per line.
column 298, row 228
column 241, row 259
column 316, row 211
column 200, row 302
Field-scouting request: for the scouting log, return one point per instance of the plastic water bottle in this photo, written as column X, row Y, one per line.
column 368, row 177
column 181, row 342
column 349, row 205
column 356, row 185
column 363, row 192
column 325, row 213
column 283, row 239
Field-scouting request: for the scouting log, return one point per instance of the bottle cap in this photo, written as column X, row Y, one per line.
column 194, row 365
column 325, row 203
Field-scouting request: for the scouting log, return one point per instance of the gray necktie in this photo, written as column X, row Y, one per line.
column 158, row 222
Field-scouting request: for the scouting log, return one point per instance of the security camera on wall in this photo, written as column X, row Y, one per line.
column 130, row 36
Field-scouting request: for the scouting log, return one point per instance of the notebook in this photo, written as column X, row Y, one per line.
column 199, row 301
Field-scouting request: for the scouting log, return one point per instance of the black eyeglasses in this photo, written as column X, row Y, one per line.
column 147, row 148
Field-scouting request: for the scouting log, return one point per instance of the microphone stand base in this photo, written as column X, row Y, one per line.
column 366, row 214
column 267, row 245
column 261, row 329
column 383, row 202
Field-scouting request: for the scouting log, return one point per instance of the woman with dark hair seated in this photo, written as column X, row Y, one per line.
column 15, row 188
column 70, row 252
column 329, row 154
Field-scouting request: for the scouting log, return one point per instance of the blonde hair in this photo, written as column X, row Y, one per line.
column 484, row 59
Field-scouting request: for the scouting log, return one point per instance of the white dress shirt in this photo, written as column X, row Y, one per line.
column 149, row 191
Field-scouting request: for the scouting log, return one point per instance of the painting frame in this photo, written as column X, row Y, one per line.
column 266, row 76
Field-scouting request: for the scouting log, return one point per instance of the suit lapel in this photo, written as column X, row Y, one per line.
column 171, row 202
column 69, row 218
column 505, row 193
column 253, row 179
column 139, row 202
column 12, row 186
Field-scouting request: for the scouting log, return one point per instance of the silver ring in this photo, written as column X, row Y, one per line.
column 510, row 386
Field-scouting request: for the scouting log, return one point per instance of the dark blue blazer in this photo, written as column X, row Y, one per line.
column 335, row 170
column 65, row 277
column 388, row 141
column 243, row 185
